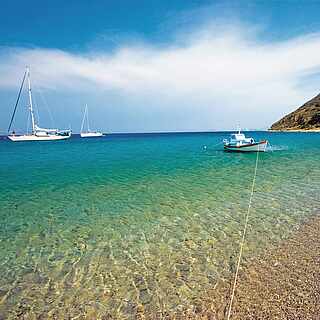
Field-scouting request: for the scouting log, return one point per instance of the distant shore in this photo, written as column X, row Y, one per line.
column 295, row 130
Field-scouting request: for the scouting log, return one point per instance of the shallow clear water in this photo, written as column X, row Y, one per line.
column 142, row 224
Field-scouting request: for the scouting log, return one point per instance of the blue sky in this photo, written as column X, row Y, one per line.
column 160, row 65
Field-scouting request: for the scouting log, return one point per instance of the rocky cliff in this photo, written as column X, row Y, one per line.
column 307, row 117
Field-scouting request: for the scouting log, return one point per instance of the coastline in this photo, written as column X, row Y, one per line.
column 295, row 130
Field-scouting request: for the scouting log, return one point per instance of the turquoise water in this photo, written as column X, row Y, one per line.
column 140, row 224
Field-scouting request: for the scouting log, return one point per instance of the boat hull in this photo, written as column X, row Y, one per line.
column 32, row 137
column 253, row 147
column 91, row 134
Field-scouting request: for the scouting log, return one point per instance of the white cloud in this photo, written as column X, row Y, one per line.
column 226, row 70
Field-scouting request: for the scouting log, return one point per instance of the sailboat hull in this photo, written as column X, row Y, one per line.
column 32, row 137
column 91, row 134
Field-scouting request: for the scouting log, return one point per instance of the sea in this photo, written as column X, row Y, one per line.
column 142, row 225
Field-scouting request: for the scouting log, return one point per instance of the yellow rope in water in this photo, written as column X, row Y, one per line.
column 243, row 238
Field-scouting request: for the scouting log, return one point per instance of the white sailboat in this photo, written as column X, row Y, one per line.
column 88, row 133
column 37, row 134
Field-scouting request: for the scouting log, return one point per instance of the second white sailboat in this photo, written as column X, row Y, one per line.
column 88, row 133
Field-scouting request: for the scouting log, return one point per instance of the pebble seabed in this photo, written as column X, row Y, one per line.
column 283, row 282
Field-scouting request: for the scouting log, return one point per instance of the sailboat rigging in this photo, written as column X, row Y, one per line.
column 88, row 133
column 37, row 134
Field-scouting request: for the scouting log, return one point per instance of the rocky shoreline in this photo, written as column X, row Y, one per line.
column 305, row 118
column 295, row 130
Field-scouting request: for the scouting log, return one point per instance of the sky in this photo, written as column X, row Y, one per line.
column 150, row 66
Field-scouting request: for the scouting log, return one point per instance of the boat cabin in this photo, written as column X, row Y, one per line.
column 239, row 139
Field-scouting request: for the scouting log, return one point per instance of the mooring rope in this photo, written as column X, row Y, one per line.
column 243, row 237
column 205, row 147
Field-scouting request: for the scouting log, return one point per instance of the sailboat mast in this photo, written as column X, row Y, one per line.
column 30, row 102
column 83, row 119
column 87, row 118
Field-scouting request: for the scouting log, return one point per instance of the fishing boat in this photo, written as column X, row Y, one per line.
column 238, row 142
column 88, row 133
column 37, row 133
